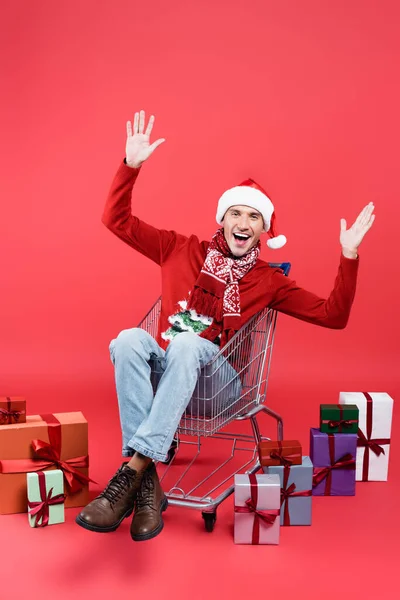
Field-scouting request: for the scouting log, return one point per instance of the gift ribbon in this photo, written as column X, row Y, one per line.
column 267, row 517
column 289, row 492
column 345, row 462
column 49, row 455
column 40, row 510
column 287, row 460
column 341, row 424
column 9, row 416
column 366, row 441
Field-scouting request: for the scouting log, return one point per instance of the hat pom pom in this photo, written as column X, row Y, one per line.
column 276, row 242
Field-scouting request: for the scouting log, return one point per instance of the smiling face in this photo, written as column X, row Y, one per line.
column 243, row 226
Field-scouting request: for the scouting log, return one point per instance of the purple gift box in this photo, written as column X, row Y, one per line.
column 333, row 456
column 257, row 509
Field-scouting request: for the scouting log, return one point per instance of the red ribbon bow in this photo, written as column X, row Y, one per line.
column 289, row 492
column 366, row 441
column 48, row 455
column 40, row 510
column 9, row 416
column 286, row 461
column 73, row 478
column 346, row 461
column 341, row 424
column 268, row 517
column 283, row 460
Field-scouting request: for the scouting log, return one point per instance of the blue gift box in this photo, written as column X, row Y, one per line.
column 296, row 489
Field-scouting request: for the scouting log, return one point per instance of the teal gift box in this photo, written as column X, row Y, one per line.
column 45, row 498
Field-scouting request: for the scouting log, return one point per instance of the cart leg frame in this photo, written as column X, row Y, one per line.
column 208, row 505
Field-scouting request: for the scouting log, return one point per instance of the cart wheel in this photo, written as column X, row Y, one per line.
column 209, row 520
column 171, row 452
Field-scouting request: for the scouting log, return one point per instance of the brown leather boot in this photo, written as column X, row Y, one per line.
column 106, row 512
column 151, row 502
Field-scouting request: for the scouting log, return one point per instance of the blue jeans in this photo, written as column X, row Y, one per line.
column 149, row 420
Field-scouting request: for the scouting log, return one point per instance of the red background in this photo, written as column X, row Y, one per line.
column 301, row 96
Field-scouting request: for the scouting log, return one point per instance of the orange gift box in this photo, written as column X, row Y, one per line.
column 274, row 453
column 44, row 442
column 12, row 410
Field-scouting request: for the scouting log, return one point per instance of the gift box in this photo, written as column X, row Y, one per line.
column 339, row 418
column 333, row 456
column 257, row 509
column 375, row 423
column 44, row 442
column 12, row 410
column 296, row 491
column 274, row 453
column 45, row 498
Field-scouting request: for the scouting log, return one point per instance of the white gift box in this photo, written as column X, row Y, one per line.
column 375, row 408
column 255, row 496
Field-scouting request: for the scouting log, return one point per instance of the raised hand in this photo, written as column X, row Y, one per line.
column 351, row 238
column 138, row 147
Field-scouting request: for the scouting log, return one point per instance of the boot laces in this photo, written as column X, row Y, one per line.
column 117, row 486
column 145, row 493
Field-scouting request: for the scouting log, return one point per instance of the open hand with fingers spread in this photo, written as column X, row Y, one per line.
column 351, row 238
column 138, row 147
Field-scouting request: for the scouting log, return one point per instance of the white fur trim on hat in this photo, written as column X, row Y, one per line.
column 245, row 196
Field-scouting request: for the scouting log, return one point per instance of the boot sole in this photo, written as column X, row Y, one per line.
column 148, row 536
column 98, row 529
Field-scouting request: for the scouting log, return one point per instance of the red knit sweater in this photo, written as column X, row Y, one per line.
column 181, row 258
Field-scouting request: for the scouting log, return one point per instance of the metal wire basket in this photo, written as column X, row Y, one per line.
column 233, row 382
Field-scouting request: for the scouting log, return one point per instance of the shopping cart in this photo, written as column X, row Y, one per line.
column 232, row 387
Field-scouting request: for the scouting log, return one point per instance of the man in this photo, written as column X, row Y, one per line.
column 209, row 290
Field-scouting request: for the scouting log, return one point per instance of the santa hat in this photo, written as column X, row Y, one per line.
column 249, row 193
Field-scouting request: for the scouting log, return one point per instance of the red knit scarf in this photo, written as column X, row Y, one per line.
column 216, row 290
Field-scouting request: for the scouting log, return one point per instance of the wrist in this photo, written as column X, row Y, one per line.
column 350, row 252
column 132, row 164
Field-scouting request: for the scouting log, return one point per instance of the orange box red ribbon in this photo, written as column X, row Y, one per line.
column 274, row 453
column 44, row 442
column 12, row 410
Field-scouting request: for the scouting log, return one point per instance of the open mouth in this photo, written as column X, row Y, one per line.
column 241, row 237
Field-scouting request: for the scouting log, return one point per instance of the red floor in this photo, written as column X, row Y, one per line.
column 351, row 548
